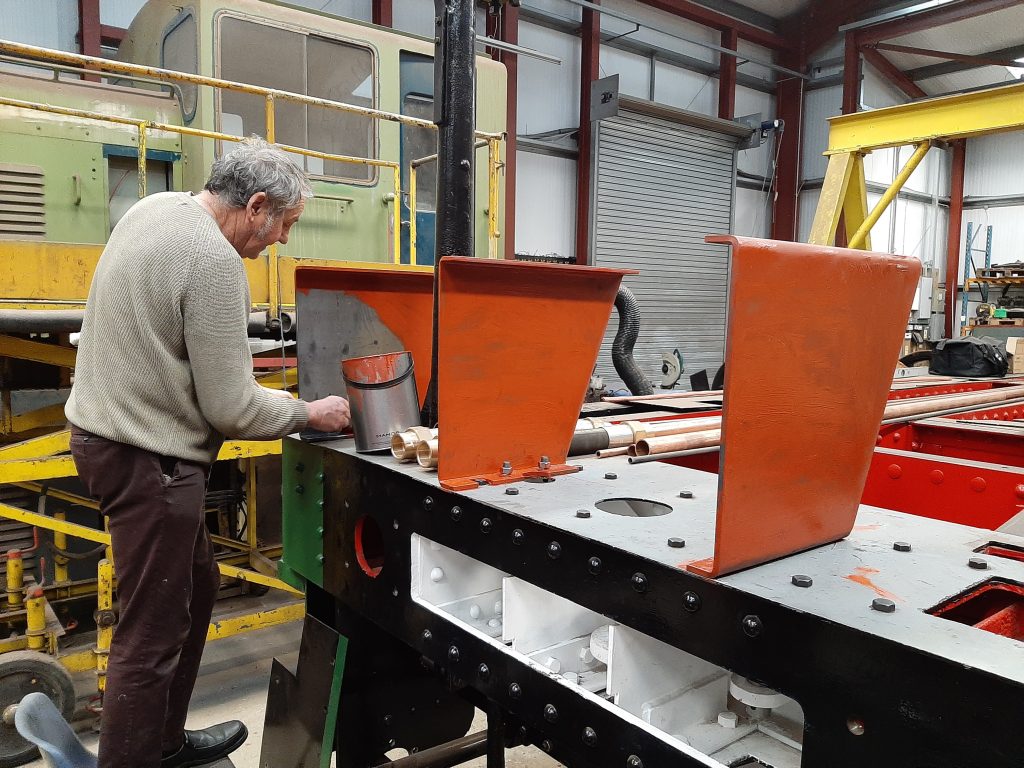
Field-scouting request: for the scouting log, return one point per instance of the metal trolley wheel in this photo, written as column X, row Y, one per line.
column 21, row 673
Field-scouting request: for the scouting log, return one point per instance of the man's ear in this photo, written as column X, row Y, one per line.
column 257, row 204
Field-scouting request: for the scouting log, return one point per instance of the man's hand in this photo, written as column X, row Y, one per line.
column 279, row 393
column 329, row 414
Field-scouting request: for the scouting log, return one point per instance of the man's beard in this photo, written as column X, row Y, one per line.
column 264, row 231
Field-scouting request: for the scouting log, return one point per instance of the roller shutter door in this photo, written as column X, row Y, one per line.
column 660, row 185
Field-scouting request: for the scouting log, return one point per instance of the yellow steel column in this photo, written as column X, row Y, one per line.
column 35, row 608
column 60, row 542
column 860, row 236
column 15, row 578
column 493, row 163
column 273, row 271
column 412, row 214
column 833, row 195
column 397, row 216
column 104, row 620
column 855, row 204
column 142, row 158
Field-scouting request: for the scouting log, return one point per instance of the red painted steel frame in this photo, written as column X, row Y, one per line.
column 956, row 218
column 590, row 64
column 727, row 76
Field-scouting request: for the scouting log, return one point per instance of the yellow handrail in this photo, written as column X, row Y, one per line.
column 108, row 66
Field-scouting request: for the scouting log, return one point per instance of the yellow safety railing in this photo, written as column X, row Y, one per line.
column 494, row 165
column 271, row 96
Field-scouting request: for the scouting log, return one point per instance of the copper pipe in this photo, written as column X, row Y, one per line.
column 426, row 453
column 685, row 442
column 405, row 443
column 645, row 429
column 903, row 408
column 606, row 453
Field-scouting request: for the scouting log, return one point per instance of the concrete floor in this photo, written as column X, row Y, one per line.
column 233, row 683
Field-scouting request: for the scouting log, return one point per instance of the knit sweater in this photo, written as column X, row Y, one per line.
column 163, row 359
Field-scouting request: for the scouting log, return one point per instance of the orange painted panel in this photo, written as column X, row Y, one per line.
column 402, row 297
column 812, row 340
column 517, row 342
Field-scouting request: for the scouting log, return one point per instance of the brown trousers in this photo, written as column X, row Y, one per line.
column 167, row 582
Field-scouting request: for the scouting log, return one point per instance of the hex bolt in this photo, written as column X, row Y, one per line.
column 453, row 654
column 691, row 602
column 583, row 514
column 634, row 762
column 428, row 503
column 514, row 691
column 506, row 467
column 426, row 634
column 300, row 489
column 978, row 564
column 484, row 672
column 320, row 559
column 686, row 494
column 456, row 514
column 883, row 604
column 594, row 565
column 799, row 580
column 511, row 491
column 639, row 582
column 518, row 537
column 486, row 525
column 752, row 626
column 545, row 463
column 546, row 745
column 610, row 476
column 550, row 713
column 392, row 743
column 676, row 543
column 901, row 546
column 589, row 736
column 554, row 550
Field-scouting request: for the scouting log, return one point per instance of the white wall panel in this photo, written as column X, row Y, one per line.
column 545, row 204
column 878, row 92
column 415, row 16
column 752, row 216
column 349, row 9
column 25, row 21
column 634, row 71
column 119, row 13
column 656, row 25
column 749, row 67
column 995, row 165
column 549, row 94
column 819, row 105
column 748, row 102
column 685, row 89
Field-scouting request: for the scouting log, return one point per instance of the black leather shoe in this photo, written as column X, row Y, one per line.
column 208, row 745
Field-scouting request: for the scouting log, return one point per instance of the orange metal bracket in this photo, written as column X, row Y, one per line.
column 813, row 336
column 517, row 343
column 401, row 297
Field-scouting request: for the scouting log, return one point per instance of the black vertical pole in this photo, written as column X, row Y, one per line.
column 455, row 115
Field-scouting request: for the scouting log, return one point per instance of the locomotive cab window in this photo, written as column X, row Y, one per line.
column 302, row 63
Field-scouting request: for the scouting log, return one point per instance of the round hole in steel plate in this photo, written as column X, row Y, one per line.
column 370, row 550
column 633, row 507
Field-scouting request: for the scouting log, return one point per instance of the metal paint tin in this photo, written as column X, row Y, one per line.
column 382, row 397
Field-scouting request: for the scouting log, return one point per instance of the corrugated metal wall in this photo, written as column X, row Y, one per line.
column 660, row 187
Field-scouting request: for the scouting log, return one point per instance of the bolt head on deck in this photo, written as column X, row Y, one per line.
column 883, row 604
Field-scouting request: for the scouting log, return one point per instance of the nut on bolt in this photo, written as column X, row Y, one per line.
column 550, row 713
column 686, row 494
column 691, row 602
column 883, row 604
column 978, row 563
column 589, row 736
column 511, row 491
column 506, row 467
column 901, row 546
column 610, row 476
column 799, row 580
column 544, row 463
column 676, row 543
column 752, row 626
column 583, row 513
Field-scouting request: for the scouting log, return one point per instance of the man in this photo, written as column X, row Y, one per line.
column 163, row 376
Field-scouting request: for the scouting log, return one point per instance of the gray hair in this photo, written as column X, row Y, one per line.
column 256, row 166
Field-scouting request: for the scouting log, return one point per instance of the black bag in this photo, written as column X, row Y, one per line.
column 969, row 356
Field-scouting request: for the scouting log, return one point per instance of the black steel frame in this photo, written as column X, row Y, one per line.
column 918, row 710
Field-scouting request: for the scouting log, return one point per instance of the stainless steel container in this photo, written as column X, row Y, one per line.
column 382, row 397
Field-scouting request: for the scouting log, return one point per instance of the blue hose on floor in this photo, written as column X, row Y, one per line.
column 39, row 721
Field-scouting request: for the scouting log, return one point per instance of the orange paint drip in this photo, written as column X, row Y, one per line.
column 863, row 575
